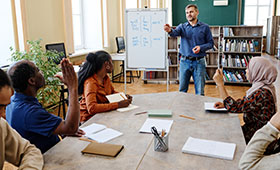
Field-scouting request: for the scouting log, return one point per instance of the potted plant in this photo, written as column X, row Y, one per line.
column 44, row 60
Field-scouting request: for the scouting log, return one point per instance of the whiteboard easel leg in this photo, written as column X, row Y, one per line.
column 124, row 78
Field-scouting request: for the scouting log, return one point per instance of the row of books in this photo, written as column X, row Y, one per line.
column 241, row 45
column 160, row 74
column 235, row 76
column 227, row 31
column 235, row 61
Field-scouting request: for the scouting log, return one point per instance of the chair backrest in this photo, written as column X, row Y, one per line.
column 120, row 44
column 59, row 47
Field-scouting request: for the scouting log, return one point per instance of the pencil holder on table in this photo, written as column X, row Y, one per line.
column 161, row 146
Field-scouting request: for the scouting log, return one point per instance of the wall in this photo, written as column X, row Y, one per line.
column 44, row 19
column 212, row 15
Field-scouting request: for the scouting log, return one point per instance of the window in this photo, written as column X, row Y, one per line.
column 131, row 3
column 257, row 12
column 87, row 24
column 7, row 32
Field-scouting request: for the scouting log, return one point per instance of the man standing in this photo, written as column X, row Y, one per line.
column 13, row 148
column 196, row 38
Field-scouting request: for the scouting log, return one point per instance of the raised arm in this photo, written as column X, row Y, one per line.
column 71, row 123
column 19, row 151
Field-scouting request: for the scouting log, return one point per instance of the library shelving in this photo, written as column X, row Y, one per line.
column 173, row 63
column 239, row 45
column 212, row 55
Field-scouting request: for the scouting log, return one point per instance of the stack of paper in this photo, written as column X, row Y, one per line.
column 100, row 133
column 159, row 113
column 209, row 106
column 117, row 97
column 158, row 123
column 209, row 148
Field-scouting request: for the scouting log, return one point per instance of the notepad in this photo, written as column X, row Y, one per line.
column 100, row 133
column 160, row 113
column 209, row 148
column 117, row 97
column 209, row 106
column 158, row 123
column 103, row 149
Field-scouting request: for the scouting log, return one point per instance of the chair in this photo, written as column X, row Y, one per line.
column 59, row 47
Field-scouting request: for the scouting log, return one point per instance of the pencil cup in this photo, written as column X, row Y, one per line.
column 161, row 143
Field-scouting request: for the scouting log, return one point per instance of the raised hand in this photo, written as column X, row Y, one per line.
column 218, row 77
column 69, row 76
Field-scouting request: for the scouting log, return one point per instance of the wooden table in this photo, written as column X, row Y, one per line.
column 138, row 150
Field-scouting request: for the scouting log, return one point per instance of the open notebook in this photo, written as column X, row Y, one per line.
column 209, row 148
column 119, row 97
column 100, row 133
column 209, row 106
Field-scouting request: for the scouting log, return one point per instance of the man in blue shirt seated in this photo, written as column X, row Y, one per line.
column 196, row 38
column 26, row 114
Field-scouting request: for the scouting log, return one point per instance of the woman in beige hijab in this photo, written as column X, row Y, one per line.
column 259, row 104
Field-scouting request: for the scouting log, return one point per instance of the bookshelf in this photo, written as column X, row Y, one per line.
column 239, row 45
column 212, row 55
column 172, row 62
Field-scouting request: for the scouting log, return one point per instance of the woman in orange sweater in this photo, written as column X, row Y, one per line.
column 95, row 84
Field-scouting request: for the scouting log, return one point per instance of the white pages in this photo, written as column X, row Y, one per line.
column 117, row 97
column 210, row 107
column 209, row 148
column 100, row 133
column 158, row 123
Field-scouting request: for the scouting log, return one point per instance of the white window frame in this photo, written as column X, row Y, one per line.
column 258, row 6
column 82, row 45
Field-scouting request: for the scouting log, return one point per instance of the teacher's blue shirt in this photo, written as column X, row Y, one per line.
column 191, row 36
column 27, row 116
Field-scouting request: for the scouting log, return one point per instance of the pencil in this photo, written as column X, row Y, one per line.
column 86, row 139
column 122, row 96
column 184, row 116
column 140, row 113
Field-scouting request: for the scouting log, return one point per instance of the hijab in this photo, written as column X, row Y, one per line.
column 262, row 74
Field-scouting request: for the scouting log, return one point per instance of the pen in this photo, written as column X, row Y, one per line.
column 140, row 113
column 187, row 117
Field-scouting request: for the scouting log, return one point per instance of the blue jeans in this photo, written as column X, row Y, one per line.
column 196, row 69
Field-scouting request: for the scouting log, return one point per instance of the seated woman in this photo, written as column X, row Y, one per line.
column 259, row 104
column 94, row 84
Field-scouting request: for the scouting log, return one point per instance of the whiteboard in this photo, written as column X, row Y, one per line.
column 146, row 40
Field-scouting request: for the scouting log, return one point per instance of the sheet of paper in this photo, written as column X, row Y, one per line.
column 158, row 123
column 116, row 97
column 105, row 135
column 130, row 107
column 93, row 128
column 210, row 106
column 209, row 148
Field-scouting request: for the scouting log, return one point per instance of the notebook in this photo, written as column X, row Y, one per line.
column 103, row 149
column 117, row 97
column 209, row 148
column 158, row 123
column 159, row 113
column 209, row 106
column 100, row 133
